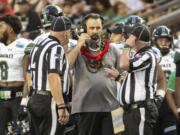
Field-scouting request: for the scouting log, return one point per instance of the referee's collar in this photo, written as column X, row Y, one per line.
column 54, row 38
column 143, row 49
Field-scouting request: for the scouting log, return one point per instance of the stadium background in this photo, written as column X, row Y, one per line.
column 155, row 12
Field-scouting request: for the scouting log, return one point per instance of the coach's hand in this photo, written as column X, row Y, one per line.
column 82, row 39
column 63, row 116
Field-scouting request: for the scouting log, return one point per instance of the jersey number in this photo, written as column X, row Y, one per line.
column 4, row 70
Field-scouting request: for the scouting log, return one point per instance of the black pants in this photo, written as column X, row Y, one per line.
column 166, row 123
column 140, row 121
column 43, row 115
column 178, row 127
column 69, row 129
column 8, row 112
column 95, row 123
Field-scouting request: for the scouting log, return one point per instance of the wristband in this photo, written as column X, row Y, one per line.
column 24, row 101
column 161, row 93
column 61, row 106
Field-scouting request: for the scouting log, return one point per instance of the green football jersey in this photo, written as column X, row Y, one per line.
column 171, row 81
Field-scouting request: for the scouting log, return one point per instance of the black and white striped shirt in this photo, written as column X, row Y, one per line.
column 47, row 57
column 140, row 81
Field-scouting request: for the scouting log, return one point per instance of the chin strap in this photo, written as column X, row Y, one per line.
column 98, row 56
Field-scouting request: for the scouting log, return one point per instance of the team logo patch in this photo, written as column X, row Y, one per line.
column 20, row 45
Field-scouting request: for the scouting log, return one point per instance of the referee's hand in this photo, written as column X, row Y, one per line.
column 63, row 116
column 131, row 41
column 111, row 72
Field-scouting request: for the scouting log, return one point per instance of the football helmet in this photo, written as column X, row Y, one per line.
column 162, row 31
column 18, row 128
column 49, row 13
column 132, row 20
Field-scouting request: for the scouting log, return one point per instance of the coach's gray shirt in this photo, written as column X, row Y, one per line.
column 95, row 92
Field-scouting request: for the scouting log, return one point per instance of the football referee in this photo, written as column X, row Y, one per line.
column 48, row 70
column 137, row 93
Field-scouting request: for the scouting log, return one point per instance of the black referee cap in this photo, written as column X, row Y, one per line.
column 61, row 23
column 142, row 32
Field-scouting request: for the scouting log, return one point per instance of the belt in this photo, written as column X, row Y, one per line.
column 10, row 93
column 136, row 105
column 41, row 92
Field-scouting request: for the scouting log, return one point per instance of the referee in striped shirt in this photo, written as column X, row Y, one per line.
column 48, row 70
column 137, row 91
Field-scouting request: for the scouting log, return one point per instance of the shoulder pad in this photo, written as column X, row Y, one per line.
column 21, row 43
column 177, row 56
column 29, row 48
column 157, row 54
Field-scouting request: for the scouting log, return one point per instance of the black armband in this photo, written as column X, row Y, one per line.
column 61, row 106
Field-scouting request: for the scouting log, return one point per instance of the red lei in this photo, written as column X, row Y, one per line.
column 98, row 56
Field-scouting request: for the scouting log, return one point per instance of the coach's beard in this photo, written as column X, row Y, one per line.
column 93, row 45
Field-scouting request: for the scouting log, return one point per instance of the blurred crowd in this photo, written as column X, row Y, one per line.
column 29, row 11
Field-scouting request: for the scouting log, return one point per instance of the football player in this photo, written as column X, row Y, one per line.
column 163, row 40
column 12, row 69
column 177, row 92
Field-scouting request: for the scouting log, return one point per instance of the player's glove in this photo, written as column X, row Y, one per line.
column 159, row 97
column 22, row 112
